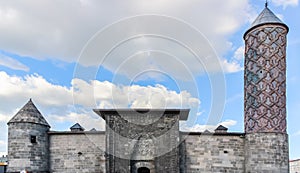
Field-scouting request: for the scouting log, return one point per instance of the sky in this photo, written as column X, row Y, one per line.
column 74, row 56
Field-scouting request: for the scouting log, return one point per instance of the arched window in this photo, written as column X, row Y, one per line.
column 143, row 170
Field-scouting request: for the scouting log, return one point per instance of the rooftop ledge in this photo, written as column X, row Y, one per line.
column 183, row 113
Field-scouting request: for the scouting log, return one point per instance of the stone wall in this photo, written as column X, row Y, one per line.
column 22, row 154
column 137, row 139
column 295, row 166
column 72, row 152
column 266, row 152
column 208, row 153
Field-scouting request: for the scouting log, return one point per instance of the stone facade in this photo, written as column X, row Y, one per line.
column 22, row 153
column 84, row 151
column 214, row 153
column 266, row 152
column 149, row 141
column 143, row 138
column 74, row 151
column 295, row 166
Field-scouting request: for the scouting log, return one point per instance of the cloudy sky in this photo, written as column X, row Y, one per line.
column 75, row 55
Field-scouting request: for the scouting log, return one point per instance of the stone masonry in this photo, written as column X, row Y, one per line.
column 266, row 153
column 266, row 143
column 74, row 151
column 211, row 152
column 295, row 166
column 149, row 140
column 143, row 138
column 28, row 142
column 26, row 155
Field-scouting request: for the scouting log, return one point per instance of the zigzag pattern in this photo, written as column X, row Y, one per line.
column 265, row 79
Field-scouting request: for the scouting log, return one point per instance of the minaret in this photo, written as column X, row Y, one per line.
column 28, row 146
column 265, row 95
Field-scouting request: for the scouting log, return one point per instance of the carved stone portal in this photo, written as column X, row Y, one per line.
column 142, row 140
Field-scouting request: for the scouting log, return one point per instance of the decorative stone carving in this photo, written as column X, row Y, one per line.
column 136, row 136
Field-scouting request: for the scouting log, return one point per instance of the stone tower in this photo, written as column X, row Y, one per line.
column 265, row 95
column 28, row 146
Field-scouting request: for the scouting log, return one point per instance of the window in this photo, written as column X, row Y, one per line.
column 33, row 139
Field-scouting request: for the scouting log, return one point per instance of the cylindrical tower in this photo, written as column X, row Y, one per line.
column 266, row 143
column 28, row 144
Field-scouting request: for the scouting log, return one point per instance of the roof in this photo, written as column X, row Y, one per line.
column 93, row 130
column 183, row 113
column 29, row 114
column 76, row 132
column 77, row 127
column 240, row 134
column 266, row 17
column 221, row 127
column 206, row 131
column 296, row 160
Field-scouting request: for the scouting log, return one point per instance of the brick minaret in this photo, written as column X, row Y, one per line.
column 265, row 95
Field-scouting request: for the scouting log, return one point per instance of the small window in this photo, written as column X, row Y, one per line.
column 33, row 139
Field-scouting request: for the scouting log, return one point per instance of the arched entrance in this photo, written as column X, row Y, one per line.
column 143, row 170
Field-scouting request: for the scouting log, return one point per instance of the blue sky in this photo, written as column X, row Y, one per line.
column 80, row 55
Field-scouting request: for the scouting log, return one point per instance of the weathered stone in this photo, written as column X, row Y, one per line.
column 214, row 153
column 71, row 152
column 22, row 154
column 266, row 152
column 143, row 138
column 149, row 140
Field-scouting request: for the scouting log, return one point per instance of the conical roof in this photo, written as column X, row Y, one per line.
column 29, row 114
column 266, row 17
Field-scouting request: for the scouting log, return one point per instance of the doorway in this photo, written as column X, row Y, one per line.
column 143, row 170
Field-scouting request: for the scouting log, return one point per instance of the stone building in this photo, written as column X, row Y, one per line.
column 295, row 166
column 149, row 140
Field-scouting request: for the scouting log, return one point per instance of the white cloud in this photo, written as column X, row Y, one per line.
column 201, row 128
column 239, row 53
column 4, row 118
column 16, row 90
column 285, row 3
column 108, row 95
column 87, row 120
column 28, row 29
column 12, row 63
column 228, row 123
column 232, row 66
column 61, row 104
column 75, row 104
